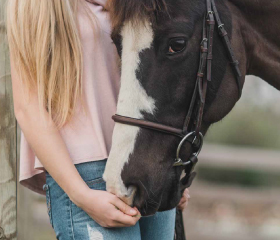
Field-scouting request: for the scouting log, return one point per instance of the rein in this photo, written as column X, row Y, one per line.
column 204, row 75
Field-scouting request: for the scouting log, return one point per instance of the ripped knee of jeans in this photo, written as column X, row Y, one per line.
column 94, row 234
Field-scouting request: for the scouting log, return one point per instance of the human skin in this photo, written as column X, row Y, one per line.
column 184, row 200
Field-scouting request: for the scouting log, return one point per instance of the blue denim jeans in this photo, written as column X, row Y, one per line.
column 72, row 223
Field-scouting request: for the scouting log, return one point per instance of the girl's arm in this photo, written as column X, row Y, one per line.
column 50, row 148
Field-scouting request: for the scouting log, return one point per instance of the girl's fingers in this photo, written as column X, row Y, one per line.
column 186, row 193
column 183, row 206
column 183, row 201
column 125, row 219
column 124, row 207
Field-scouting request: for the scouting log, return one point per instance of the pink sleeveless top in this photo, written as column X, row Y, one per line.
column 87, row 137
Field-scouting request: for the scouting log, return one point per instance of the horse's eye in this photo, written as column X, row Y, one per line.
column 176, row 45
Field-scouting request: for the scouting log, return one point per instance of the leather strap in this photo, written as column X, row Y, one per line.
column 234, row 62
column 198, row 85
column 149, row 125
column 152, row 126
column 206, row 57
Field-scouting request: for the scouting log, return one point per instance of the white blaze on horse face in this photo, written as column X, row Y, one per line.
column 133, row 100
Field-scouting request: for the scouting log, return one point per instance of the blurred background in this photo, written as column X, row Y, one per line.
column 236, row 194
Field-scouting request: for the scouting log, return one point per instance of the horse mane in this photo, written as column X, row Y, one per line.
column 135, row 11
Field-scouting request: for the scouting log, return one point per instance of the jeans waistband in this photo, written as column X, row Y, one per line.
column 89, row 170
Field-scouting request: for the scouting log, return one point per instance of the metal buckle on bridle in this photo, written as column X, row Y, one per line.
column 208, row 13
column 204, row 40
column 178, row 160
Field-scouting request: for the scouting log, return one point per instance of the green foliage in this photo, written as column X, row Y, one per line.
column 247, row 126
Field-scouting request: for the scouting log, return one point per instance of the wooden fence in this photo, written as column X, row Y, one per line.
column 215, row 155
column 8, row 142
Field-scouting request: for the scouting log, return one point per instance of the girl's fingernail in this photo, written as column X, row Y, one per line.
column 133, row 211
column 188, row 196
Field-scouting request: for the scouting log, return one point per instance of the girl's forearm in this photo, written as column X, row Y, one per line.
column 45, row 140
column 52, row 152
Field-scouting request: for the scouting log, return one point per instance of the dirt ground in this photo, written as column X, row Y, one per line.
column 230, row 213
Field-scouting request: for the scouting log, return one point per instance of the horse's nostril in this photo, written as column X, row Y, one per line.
column 146, row 200
column 140, row 197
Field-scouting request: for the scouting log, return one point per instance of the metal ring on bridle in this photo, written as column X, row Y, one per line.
column 178, row 160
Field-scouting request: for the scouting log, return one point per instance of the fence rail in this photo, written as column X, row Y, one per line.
column 240, row 157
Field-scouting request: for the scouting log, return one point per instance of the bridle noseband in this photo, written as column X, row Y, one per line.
column 195, row 137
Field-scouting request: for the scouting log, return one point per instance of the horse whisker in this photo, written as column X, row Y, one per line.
column 149, row 198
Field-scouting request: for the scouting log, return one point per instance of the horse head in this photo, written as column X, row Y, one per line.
column 159, row 44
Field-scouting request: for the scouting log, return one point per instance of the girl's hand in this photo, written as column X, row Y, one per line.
column 108, row 210
column 184, row 200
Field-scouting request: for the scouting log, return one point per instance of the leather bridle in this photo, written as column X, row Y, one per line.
column 194, row 136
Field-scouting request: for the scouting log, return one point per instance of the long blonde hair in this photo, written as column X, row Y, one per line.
column 45, row 43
